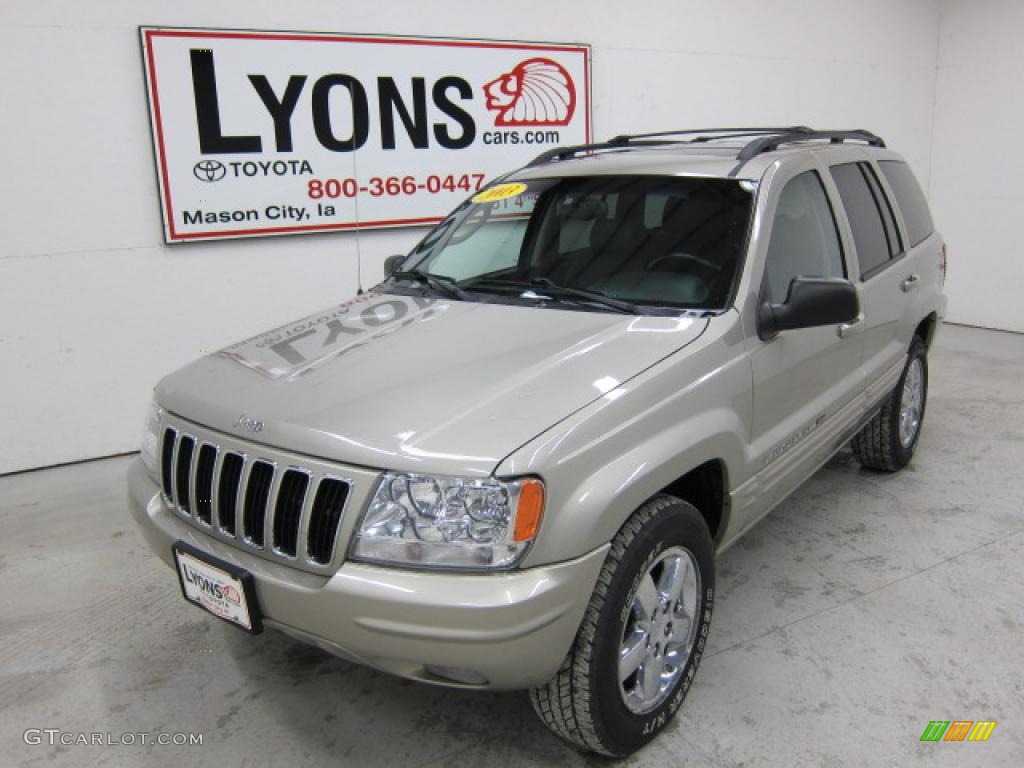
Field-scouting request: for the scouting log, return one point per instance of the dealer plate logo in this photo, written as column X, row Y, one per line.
column 209, row 170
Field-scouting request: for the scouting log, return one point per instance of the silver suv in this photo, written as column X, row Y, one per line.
column 511, row 464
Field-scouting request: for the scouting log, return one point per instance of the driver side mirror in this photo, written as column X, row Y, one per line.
column 812, row 302
column 391, row 263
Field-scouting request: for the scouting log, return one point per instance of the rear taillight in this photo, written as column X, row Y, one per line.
column 943, row 262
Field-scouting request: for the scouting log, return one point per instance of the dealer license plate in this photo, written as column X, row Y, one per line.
column 223, row 589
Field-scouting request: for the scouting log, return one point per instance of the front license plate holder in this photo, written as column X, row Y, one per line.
column 218, row 587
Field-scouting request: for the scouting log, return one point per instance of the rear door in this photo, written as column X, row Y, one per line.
column 925, row 250
column 881, row 271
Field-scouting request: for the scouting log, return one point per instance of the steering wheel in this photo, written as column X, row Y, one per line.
column 469, row 227
column 685, row 262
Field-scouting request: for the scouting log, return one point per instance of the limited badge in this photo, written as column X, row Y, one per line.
column 500, row 192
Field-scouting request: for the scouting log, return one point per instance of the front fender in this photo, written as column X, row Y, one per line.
column 602, row 463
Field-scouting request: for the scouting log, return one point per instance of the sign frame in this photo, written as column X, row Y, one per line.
column 174, row 235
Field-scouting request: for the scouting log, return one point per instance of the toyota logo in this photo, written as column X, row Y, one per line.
column 209, row 170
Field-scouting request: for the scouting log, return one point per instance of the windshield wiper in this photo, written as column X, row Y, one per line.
column 582, row 293
column 440, row 283
column 557, row 291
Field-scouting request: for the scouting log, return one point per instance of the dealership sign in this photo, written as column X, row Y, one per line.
column 269, row 133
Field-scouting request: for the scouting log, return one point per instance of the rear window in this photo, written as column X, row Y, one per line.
column 910, row 199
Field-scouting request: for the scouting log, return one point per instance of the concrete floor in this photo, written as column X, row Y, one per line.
column 862, row 608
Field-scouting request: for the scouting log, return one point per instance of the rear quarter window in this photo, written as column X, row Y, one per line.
column 909, row 198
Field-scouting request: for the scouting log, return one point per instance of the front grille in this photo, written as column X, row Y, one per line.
column 330, row 501
column 183, row 472
column 167, row 461
column 250, row 499
column 204, row 482
column 227, row 496
column 290, row 498
column 257, row 494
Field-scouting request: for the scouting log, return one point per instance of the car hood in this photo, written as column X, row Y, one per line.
column 419, row 383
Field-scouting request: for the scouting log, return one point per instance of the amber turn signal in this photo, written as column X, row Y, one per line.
column 530, row 510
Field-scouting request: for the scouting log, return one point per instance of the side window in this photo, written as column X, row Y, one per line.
column 892, row 235
column 873, row 235
column 804, row 241
column 910, row 200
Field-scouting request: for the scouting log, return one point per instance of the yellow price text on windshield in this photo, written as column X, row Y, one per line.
column 500, row 192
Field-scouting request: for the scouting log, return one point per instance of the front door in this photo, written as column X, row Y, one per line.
column 807, row 381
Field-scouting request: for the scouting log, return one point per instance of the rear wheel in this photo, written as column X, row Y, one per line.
column 642, row 637
column 888, row 441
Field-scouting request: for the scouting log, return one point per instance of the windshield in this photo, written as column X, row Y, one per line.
column 646, row 240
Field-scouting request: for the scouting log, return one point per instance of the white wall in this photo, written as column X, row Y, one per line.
column 977, row 164
column 94, row 308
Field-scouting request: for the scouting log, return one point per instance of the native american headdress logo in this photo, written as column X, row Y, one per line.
column 537, row 92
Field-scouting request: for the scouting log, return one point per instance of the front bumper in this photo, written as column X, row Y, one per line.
column 504, row 630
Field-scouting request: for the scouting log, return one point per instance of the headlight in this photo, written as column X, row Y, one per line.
column 151, row 440
column 448, row 522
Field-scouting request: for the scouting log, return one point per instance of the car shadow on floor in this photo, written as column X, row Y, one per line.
column 343, row 713
column 359, row 716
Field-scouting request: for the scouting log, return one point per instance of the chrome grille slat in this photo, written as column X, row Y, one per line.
column 302, row 537
column 243, row 488
column 193, row 471
column 270, row 509
column 261, row 499
column 218, row 462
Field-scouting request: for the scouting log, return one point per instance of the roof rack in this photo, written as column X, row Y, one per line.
column 564, row 153
column 705, row 134
column 762, row 140
column 771, row 143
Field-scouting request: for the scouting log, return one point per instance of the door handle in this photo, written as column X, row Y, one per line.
column 910, row 283
column 852, row 328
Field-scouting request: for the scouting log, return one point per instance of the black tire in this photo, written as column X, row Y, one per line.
column 878, row 445
column 584, row 703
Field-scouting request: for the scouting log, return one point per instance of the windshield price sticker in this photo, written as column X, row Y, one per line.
column 500, row 192
column 272, row 133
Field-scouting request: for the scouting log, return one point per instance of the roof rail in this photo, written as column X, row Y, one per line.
column 645, row 139
column 730, row 133
column 764, row 140
column 564, row 153
column 773, row 142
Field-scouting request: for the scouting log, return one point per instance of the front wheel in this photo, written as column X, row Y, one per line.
column 642, row 637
